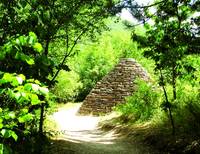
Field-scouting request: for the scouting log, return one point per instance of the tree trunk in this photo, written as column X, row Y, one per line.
column 41, row 119
column 168, row 103
column 46, row 50
column 174, row 82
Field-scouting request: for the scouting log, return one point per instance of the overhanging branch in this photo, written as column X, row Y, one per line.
column 140, row 7
column 68, row 53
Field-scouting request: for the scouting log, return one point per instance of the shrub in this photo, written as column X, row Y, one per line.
column 23, row 97
column 142, row 104
column 187, row 111
column 66, row 89
column 21, row 100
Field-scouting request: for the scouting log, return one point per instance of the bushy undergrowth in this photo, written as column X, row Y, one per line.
column 23, row 94
column 145, row 105
column 66, row 89
column 142, row 105
column 187, row 107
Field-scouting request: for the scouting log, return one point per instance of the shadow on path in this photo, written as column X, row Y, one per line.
column 81, row 135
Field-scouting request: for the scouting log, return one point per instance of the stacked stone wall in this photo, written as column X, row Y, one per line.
column 113, row 88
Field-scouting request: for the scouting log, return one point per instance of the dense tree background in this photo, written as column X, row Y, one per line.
column 55, row 51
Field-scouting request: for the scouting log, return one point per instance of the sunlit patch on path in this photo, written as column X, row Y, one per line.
column 81, row 128
column 81, row 135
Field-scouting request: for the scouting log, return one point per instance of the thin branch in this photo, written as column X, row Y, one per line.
column 68, row 53
column 142, row 7
column 72, row 48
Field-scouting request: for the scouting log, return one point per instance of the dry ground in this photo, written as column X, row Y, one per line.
column 82, row 135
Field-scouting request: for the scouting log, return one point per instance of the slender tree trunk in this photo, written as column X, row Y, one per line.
column 174, row 82
column 168, row 103
column 172, row 120
column 40, row 141
column 41, row 119
column 46, row 50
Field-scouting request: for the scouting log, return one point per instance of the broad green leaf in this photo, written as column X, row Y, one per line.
column 25, row 118
column 11, row 115
column 21, row 78
column 23, row 111
column 23, row 100
column 17, row 55
column 5, row 133
column 34, row 99
column 7, row 77
column 14, row 135
column 17, row 95
column 22, row 40
column 8, row 47
column 10, row 93
column 32, row 34
column 9, row 133
column 38, row 47
column 32, row 38
column 30, row 61
column 28, row 87
column 2, row 81
column 14, row 82
column 17, row 41
column 25, row 58
column 37, row 82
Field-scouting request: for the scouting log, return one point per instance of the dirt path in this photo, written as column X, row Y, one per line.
column 81, row 135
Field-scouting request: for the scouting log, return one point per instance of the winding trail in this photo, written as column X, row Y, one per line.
column 81, row 135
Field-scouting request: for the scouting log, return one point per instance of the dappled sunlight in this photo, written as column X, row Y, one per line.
column 83, row 135
column 81, row 128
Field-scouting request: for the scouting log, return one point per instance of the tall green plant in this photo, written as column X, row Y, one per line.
column 53, row 20
column 22, row 98
column 25, row 55
column 143, row 103
column 169, row 40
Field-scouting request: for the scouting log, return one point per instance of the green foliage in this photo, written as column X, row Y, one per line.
column 47, row 18
column 143, row 103
column 21, row 97
column 66, row 89
column 169, row 41
column 52, row 21
column 4, row 149
column 24, row 54
column 20, row 100
column 187, row 111
column 97, row 57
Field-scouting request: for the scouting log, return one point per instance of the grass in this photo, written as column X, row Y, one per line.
column 155, row 133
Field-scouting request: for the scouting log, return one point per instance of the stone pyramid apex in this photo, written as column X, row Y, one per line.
column 114, row 87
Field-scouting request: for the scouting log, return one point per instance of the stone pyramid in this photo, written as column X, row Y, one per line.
column 113, row 88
